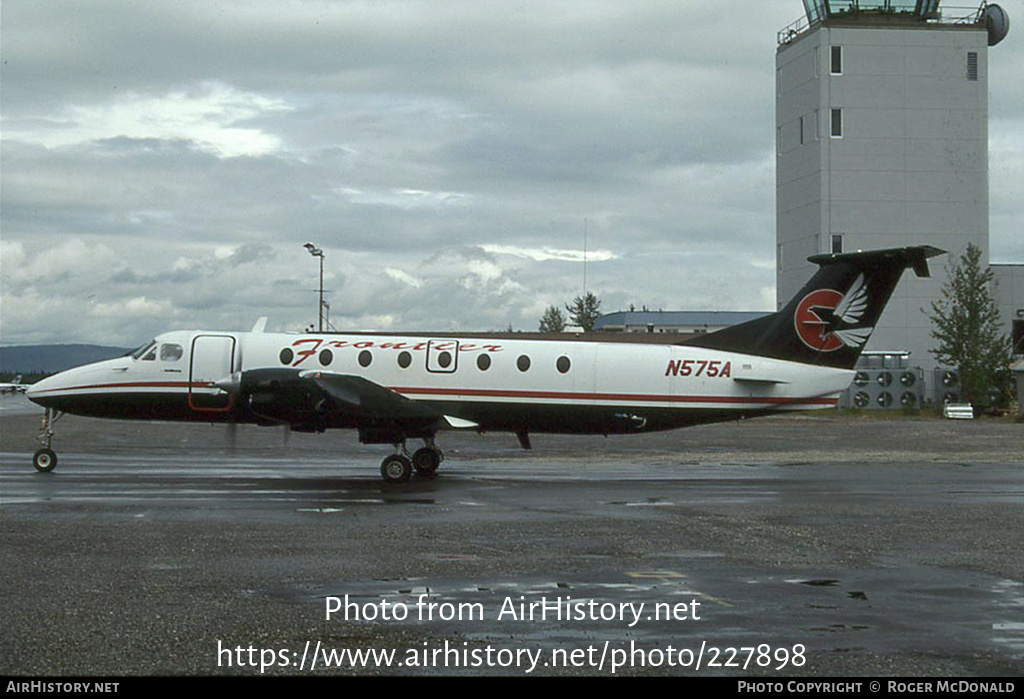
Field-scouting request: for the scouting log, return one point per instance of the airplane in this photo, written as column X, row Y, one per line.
column 393, row 388
column 15, row 386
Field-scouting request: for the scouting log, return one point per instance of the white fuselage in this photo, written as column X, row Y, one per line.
column 542, row 386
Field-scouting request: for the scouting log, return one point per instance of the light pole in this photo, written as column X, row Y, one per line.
column 317, row 252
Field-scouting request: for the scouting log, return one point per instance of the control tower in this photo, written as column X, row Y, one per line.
column 882, row 141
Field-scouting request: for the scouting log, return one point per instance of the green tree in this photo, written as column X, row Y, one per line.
column 553, row 320
column 584, row 311
column 968, row 332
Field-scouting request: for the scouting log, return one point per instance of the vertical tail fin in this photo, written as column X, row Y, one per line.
column 830, row 320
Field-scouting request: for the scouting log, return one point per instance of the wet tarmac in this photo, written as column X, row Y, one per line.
column 817, row 545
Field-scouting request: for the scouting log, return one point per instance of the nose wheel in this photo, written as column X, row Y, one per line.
column 45, row 460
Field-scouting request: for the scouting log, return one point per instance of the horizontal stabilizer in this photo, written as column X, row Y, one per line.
column 754, row 372
column 915, row 258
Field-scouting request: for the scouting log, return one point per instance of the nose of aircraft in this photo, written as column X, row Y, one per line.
column 58, row 390
column 48, row 391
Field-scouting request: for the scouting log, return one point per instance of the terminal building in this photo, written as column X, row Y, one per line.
column 673, row 322
column 882, row 141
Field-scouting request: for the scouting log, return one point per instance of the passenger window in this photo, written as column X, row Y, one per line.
column 523, row 363
column 170, row 352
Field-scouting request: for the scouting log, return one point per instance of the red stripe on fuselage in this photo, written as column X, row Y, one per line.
column 498, row 393
column 134, row 384
column 628, row 397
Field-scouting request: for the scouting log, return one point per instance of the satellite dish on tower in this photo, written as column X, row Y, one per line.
column 997, row 23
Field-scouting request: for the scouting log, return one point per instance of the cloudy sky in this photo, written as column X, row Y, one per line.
column 163, row 163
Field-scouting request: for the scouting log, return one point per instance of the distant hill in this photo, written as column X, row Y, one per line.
column 47, row 359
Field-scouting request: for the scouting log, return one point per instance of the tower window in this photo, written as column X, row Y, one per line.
column 972, row 66
column 836, row 60
column 837, row 124
column 837, row 243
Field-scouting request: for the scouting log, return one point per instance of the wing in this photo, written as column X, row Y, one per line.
column 366, row 398
column 854, row 302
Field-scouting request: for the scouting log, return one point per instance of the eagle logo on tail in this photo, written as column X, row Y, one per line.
column 826, row 320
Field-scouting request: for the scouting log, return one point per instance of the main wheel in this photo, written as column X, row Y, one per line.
column 396, row 469
column 426, row 460
column 45, row 460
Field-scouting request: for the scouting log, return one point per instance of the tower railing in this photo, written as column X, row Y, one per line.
column 946, row 15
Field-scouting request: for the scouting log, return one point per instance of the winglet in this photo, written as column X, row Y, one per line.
column 260, row 325
column 457, row 423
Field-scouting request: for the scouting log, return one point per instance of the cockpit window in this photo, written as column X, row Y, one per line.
column 140, row 352
column 170, row 352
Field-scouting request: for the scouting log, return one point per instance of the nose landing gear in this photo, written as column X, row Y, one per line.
column 45, row 459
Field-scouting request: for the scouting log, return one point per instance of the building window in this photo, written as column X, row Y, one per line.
column 972, row 66
column 837, row 123
column 837, row 243
column 836, row 63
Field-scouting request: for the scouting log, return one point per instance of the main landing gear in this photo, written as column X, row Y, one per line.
column 45, row 459
column 398, row 467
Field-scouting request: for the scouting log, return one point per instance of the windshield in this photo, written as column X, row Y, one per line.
column 138, row 352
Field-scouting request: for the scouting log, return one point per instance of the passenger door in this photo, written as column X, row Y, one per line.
column 212, row 359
